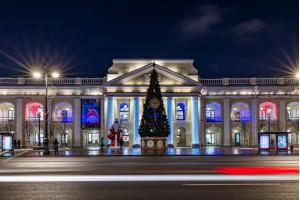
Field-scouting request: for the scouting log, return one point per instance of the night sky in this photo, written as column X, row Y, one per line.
column 242, row 38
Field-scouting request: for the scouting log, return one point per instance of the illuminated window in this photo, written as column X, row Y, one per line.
column 213, row 112
column 180, row 111
column 124, row 111
column 266, row 110
column 32, row 111
column 63, row 112
column 240, row 112
column 7, row 111
column 293, row 111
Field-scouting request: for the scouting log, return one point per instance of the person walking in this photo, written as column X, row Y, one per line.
column 121, row 144
column 19, row 143
column 102, row 143
column 55, row 143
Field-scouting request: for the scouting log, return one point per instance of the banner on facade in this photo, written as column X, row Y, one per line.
column 90, row 113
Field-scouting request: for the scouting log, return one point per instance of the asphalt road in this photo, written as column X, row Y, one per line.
column 149, row 177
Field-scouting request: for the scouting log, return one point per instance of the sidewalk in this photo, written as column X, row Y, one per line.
column 129, row 151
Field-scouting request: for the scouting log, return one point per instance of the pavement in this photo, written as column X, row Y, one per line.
column 149, row 177
column 129, row 151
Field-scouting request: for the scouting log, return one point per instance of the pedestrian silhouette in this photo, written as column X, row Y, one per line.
column 19, row 143
column 102, row 143
column 55, row 143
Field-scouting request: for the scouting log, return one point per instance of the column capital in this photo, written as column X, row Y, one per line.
column 169, row 97
column 19, row 99
column 136, row 98
column 226, row 99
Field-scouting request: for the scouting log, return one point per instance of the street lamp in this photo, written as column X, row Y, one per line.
column 46, row 140
column 269, row 119
column 39, row 113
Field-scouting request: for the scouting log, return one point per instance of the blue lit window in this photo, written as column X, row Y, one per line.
column 213, row 112
column 63, row 112
column 240, row 112
column 124, row 111
column 180, row 111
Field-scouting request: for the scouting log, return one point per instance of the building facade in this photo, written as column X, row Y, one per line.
column 201, row 112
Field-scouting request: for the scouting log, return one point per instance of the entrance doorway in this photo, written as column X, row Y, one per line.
column 181, row 137
column 210, row 138
column 237, row 139
column 93, row 138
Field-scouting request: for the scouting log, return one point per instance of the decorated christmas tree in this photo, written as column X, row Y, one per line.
column 154, row 121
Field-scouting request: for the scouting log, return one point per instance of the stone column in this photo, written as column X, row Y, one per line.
column 226, row 123
column 110, row 115
column 202, row 106
column 136, row 142
column 282, row 117
column 254, row 122
column 195, row 122
column 102, row 117
column 19, row 120
column 170, row 119
column 77, row 121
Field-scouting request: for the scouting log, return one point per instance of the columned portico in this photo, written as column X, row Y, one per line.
column 77, row 120
column 19, row 120
column 102, row 117
column 226, row 122
column 136, row 122
column 170, row 120
column 195, row 122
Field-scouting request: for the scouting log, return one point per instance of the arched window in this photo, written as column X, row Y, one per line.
column 63, row 112
column 266, row 110
column 180, row 111
column 124, row 111
column 240, row 112
column 32, row 111
column 213, row 112
column 7, row 111
column 293, row 111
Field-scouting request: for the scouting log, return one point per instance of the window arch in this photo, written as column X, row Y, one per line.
column 63, row 112
column 240, row 112
column 31, row 112
column 264, row 108
column 124, row 111
column 180, row 111
column 7, row 111
column 293, row 111
column 213, row 112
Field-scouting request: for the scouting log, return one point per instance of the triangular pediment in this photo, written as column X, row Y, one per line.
column 141, row 77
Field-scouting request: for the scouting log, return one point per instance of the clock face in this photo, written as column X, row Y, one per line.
column 154, row 103
column 160, row 144
column 150, row 143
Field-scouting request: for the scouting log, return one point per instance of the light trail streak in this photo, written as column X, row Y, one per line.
column 146, row 178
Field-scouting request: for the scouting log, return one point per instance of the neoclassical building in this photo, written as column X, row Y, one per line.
column 201, row 111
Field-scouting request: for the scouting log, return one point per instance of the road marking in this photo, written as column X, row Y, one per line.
column 9, row 159
column 230, row 184
column 145, row 178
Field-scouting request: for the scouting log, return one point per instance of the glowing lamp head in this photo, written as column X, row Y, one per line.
column 269, row 110
column 37, row 75
column 55, row 75
column 234, row 108
column 297, row 75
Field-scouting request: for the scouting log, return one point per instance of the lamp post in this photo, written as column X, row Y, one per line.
column 269, row 118
column 39, row 113
column 46, row 140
